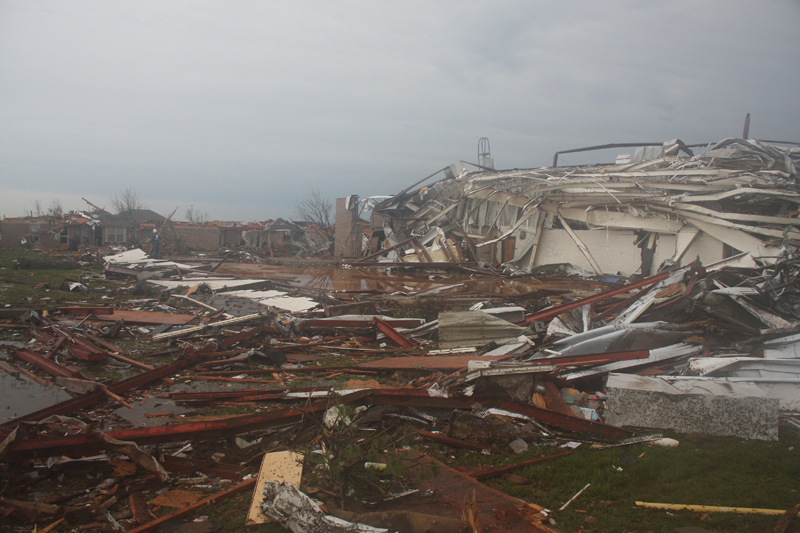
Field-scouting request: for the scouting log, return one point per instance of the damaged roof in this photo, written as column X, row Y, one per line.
column 738, row 196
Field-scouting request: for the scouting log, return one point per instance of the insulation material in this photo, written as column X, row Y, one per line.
column 474, row 328
column 300, row 514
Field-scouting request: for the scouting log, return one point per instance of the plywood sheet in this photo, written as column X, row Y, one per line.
column 276, row 466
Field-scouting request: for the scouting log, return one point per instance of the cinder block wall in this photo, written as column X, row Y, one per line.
column 203, row 238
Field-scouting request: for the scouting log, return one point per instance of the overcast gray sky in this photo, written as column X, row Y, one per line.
column 241, row 107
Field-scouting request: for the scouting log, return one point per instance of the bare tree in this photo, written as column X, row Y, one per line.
column 127, row 201
column 316, row 210
column 37, row 208
column 55, row 208
column 195, row 215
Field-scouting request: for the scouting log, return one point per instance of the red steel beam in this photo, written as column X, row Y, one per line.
column 79, row 445
column 173, row 463
column 602, row 358
column 235, row 395
column 82, row 311
column 393, row 334
column 516, row 466
column 43, row 363
column 553, row 312
column 244, row 335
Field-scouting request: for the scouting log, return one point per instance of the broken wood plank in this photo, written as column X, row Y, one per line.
column 10, row 369
column 138, row 506
column 34, row 377
column 458, row 443
column 275, row 466
column 495, row 472
column 214, row 498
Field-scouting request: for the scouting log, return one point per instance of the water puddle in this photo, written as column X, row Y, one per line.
column 22, row 396
column 151, row 405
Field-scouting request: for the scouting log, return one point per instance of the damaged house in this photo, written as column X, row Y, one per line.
column 661, row 206
column 70, row 230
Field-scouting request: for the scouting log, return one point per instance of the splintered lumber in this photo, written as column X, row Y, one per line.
column 458, row 443
column 175, row 464
column 10, row 369
column 276, row 466
column 416, row 398
column 444, row 362
column 84, row 444
column 138, row 507
column 130, row 361
column 552, row 312
column 214, row 498
column 116, row 353
column 35, row 378
column 783, row 522
column 495, row 472
column 56, row 347
column 453, row 489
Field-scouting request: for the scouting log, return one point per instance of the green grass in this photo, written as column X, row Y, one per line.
column 18, row 285
column 700, row 471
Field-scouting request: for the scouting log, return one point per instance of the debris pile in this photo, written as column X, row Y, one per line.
column 328, row 398
column 650, row 213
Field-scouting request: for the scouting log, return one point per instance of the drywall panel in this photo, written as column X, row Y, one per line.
column 706, row 247
column 665, row 249
column 614, row 251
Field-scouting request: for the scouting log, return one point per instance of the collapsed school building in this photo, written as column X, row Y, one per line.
column 659, row 207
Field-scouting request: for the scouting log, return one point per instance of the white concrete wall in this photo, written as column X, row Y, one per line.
column 614, row 251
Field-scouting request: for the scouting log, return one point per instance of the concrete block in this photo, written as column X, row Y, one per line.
column 518, row 446
column 692, row 406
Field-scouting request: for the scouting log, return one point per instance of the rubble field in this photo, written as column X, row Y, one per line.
column 156, row 395
column 608, row 348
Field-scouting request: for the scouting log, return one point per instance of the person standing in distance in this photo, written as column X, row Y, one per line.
column 155, row 243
